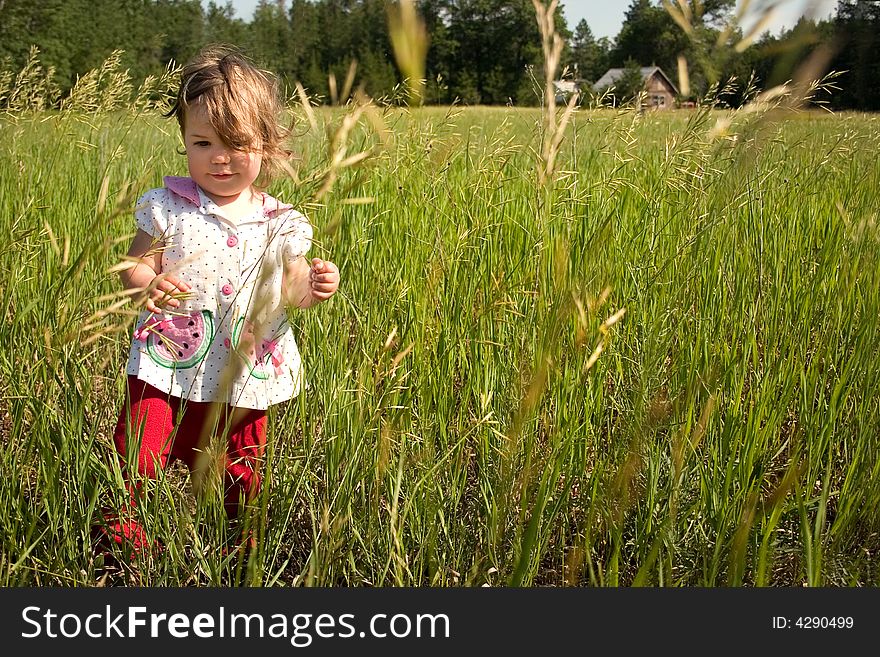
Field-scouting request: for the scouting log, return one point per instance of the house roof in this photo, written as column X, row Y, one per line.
column 612, row 75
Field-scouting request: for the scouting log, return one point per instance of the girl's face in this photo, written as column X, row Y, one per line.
column 222, row 172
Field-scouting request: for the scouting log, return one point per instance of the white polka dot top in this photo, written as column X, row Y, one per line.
column 229, row 341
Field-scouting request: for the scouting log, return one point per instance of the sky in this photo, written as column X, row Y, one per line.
column 606, row 16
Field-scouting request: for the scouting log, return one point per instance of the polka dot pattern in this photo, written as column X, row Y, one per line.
column 234, row 269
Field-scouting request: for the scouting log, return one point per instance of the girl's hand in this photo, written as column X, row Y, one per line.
column 323, row 279
column 143, row 276
column 162, row 292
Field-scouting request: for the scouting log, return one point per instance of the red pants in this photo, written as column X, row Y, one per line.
column 151, row 423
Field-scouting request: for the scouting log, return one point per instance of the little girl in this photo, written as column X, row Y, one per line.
column 216, row 261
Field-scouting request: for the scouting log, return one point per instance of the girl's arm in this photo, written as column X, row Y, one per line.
column 145, row 278
column 307, row 284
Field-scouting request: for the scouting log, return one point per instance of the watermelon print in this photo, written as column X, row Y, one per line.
column 181, row 342
column 260, row 362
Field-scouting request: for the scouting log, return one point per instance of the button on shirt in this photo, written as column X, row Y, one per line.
column 229, row 341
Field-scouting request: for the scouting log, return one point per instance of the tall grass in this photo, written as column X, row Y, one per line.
column 659, row 368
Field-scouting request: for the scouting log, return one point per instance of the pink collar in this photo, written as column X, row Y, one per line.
column 186, row 188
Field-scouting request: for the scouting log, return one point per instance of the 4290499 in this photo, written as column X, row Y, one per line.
column 824, row 622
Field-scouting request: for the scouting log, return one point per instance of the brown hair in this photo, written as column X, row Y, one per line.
column 241, row 101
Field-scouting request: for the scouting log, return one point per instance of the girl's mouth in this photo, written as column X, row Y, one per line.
column 221, row 176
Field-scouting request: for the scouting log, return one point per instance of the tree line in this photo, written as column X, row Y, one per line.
column 480, row 51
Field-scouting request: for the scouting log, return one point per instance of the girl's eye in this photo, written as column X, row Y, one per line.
column 203, row 143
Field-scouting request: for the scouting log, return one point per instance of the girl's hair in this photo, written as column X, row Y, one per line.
column 241, row 101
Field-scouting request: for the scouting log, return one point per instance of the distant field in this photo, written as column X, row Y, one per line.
column 472, row 414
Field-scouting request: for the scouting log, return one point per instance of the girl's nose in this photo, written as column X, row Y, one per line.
column 220, row 156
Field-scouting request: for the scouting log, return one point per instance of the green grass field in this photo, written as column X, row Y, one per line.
column 661, row 368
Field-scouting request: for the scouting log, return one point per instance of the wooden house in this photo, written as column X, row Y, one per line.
column 661, row 92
